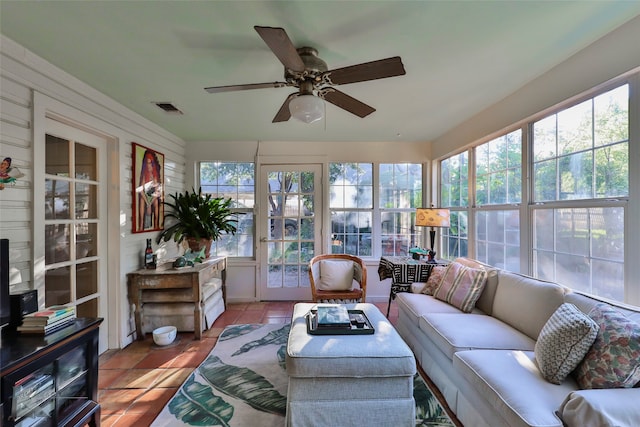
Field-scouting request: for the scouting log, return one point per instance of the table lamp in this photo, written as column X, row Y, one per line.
column 432, row 217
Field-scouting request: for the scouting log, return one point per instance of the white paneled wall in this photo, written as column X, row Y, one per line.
column 31, row 88
column 15, row 199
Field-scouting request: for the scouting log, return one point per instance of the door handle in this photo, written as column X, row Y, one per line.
column 263, row 239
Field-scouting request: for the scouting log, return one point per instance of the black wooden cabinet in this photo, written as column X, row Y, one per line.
column 51, row 380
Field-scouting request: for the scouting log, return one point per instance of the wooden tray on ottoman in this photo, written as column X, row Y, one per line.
column 360, row 325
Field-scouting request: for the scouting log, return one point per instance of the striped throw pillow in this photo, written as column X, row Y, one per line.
column 461, row 286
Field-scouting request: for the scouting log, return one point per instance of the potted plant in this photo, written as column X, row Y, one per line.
column 198, row 218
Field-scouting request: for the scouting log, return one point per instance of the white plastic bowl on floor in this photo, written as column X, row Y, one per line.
column 164, row 335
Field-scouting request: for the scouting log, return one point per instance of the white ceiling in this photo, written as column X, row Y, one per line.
column 460, row 57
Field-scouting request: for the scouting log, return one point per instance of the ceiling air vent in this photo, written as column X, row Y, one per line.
column 168, row 107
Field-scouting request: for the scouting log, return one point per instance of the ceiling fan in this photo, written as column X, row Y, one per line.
column 303, row 69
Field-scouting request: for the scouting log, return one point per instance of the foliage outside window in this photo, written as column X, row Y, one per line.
column 235, row 180
column 582, row 152
column 400, row 192
column 581, row 157
column 351, row 207
column 498, row 165
column 454, row 194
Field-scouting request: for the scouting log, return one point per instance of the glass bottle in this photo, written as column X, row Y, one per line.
column 148, row 256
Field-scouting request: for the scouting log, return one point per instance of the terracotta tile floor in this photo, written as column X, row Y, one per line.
column 135, row 383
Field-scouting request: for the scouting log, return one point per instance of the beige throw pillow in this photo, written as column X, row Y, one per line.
column 563, row 342
column 435, row 277
column 336, row 275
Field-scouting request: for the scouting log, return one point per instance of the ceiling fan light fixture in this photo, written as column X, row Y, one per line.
column 307, row 108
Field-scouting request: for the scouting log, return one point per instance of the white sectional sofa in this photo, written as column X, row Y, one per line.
column 484, row 362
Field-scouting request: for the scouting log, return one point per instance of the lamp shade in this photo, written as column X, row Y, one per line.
column 432, row 217
column 307, row 108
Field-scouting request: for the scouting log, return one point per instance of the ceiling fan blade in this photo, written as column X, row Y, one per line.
column 280, row 44
column 283, row 113
column 380, row 69
column 231, row 88
column 348, row 103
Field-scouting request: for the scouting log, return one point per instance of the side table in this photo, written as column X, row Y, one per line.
column 403, row 271
column 196, row 290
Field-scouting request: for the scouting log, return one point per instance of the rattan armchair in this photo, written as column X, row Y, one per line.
column 358, row 292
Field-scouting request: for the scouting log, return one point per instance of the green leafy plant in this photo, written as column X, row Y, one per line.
column 199, row 216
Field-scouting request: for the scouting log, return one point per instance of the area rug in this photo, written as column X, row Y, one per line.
column 243, row 383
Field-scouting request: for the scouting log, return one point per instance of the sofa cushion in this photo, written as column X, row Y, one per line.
column 435, row 277
column 526, row 303
column 461, row 286
column 563, row 342
column 416, row 305
column 336, row 275
column 511, row 383
column 614, row 358
column 485, row 302
column 456, row 332
column 605, row 408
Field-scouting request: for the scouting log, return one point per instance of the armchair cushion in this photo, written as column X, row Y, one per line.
column 336, row 275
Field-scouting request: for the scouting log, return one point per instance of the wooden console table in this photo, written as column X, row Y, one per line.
column 170, row 285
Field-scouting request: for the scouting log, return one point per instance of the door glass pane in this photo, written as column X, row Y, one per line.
column 85, row 162
column 57, row 199
column 86, row 204
column 86, row 279
column 56, row 156
column 57, row 243
column 88, row 308
column 86, row 240
column 58, row 286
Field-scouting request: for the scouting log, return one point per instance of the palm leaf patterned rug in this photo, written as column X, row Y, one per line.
column 243, row 383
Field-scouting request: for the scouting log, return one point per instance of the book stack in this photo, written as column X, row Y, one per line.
column 48, row 320
column 332, row 317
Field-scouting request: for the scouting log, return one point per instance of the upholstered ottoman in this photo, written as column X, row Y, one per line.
column 349, row 380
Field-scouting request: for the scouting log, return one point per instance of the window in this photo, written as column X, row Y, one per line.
column 351, row 207
column 498, row 165
column 235, row 180
column 400, row 194
column 454, row 194
column 581, row 185
column 577, row 203
column 582, row 152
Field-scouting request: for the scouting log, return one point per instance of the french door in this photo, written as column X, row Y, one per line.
column 291, row 229
column 74, row 203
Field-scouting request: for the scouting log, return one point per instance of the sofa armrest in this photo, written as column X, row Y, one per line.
column 601, row 407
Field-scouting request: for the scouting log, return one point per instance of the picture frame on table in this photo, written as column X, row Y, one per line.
column 148, row 189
